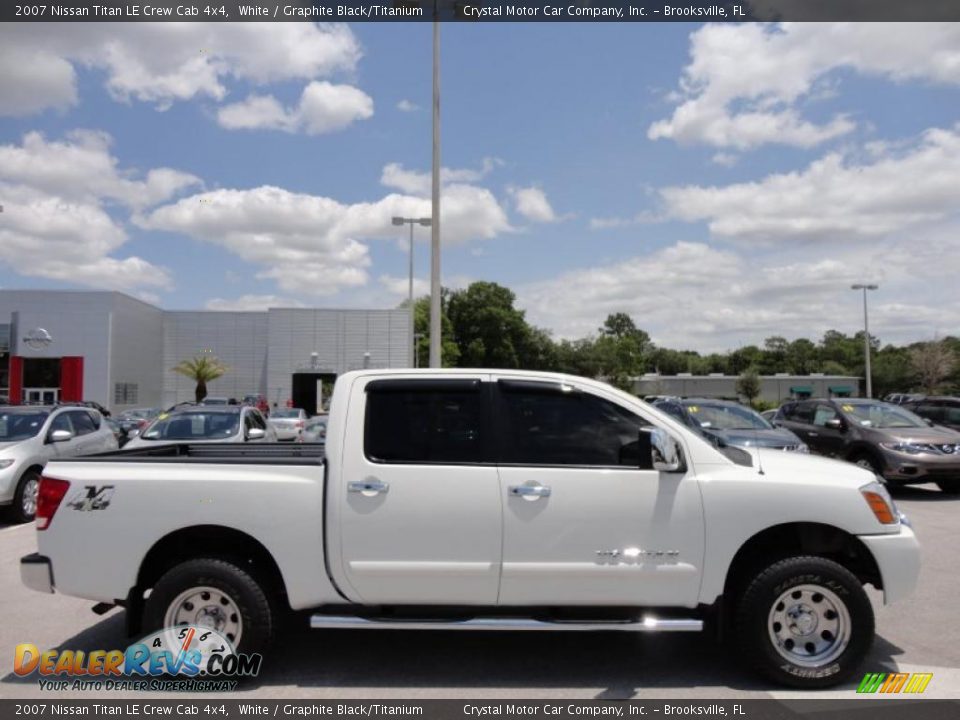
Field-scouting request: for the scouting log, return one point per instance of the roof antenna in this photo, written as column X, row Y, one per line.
column 756, row 442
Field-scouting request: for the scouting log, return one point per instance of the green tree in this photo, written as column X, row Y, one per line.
column 201, row 369
column 449, row 352
column 801, row 357
column 488, row 330
column 748, row 385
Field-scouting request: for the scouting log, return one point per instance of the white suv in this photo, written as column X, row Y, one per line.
column 31, row 435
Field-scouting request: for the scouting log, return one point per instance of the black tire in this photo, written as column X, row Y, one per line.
column 949, row 487
column 257, row 613
column 760, row 606
column 868, row 461
column 29, row 482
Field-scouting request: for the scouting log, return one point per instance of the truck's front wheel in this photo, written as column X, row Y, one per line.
column 217, row 594
column 805, row 622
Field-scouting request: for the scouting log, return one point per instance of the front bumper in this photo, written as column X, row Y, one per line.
column 8, row 483
column 36, row 572
column 898, row 558
column 923, row 468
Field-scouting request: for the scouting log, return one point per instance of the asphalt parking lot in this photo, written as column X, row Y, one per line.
column 918, row 635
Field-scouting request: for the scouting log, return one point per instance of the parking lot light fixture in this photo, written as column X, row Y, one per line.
column 422, row 222
column 866, row 334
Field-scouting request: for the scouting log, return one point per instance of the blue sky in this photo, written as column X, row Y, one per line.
column 720, row 183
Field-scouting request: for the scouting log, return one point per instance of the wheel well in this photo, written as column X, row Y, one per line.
column 864, row 450
column 212, row 541
column 793, row 539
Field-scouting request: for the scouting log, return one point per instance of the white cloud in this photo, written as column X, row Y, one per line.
column 256, row 303
column 162, row 63
column 407, row 106
column 904, row 186
column 82, row 168
column 691, row 295
column 399, row 286
column 531, row 203
column 57, row 221
column 323, row 108
column 724, row 159
column 415, row 182
column 316, row 245
column 744, row 83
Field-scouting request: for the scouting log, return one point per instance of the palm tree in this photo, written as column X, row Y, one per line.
column 201, row 369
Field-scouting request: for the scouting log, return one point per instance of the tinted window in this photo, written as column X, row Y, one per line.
column 82, row 422
column 823, row 414
column 566, row 428
column 20, row 425
column 672, row 409
column 800, row 413
column 407, row 424
column 928, row 410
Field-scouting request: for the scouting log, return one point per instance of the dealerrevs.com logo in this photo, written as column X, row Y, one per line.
column 186, row 657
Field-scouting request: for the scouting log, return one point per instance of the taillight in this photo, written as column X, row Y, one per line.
column 49, row 497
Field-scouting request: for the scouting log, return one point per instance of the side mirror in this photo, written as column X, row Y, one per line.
column 665, row 455
column 60, row 436
column 256, row 434
column 834, row 424
column 133, row 432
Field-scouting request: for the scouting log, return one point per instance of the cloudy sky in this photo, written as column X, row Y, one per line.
column 719, row 183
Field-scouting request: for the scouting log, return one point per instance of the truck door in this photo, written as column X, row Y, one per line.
column 420, row 517
column 583, row 523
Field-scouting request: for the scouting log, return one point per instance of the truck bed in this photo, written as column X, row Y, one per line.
column 218, row 453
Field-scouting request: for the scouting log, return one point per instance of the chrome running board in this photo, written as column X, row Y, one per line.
column 647, row 624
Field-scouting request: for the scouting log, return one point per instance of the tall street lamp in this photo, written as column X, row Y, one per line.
column 423, row 222
column 866, row 335
column 435, row 200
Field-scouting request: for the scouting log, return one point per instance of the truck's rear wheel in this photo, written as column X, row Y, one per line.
column 217, row 594
column 805, row 622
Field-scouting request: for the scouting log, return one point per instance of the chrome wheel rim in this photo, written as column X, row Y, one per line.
column 809, row 625
column 29, row 502
column 865, row 464
column 207, row 607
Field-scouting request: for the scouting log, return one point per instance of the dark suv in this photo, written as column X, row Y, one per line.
column 939, row 410
column 726, row 423
column 887, row 439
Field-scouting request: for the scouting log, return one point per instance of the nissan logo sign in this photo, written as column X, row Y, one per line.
column 37, row 339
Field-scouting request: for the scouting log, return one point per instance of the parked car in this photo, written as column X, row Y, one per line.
column 134, row 420
column 944, row 411
column 32, row 435
column 259, row 402
column 769, row 415
column 315, row 430
column 882, row 437
column 202, row 424
column 725, row 423
column 96, row 406
column 288, row 423
column 495, row 499
column 118, row 430
column 901, row 398
column 217, row 401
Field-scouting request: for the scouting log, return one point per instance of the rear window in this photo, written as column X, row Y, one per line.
column 423, row 422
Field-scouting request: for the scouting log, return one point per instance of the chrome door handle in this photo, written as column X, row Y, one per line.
column 367, row 486
column 530, row 490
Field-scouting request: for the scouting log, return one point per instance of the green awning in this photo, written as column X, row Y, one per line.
column 840, row 389
column 802, row 390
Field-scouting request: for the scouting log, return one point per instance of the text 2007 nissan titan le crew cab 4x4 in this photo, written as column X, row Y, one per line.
column 486, row 499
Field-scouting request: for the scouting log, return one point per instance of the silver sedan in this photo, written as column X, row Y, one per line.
column 288, row 423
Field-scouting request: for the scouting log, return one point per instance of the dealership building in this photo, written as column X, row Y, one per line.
column 59, row 346
column 773, row 388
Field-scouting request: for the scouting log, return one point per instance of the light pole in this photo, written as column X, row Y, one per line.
column 866, row 334
column 423, row 222
column 435, row 204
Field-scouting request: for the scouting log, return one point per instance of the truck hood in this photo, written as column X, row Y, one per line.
column 774, row 438
column 793, row 467
column 10, row 445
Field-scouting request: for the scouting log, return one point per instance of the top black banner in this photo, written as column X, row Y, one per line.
column 486, row 11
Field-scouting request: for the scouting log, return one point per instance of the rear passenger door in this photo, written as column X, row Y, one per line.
column 417, row 502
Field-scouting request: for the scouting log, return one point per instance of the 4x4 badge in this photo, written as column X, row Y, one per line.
column 91, row 498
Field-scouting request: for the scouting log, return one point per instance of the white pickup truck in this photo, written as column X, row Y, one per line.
column 486, row 500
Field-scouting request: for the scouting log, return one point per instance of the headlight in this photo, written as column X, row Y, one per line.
column 909, row 448
column 880, row 502
column 4, row 464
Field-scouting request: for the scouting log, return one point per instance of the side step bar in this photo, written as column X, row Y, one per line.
column 647, row 624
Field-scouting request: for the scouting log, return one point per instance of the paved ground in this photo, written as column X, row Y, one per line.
column 920, row 634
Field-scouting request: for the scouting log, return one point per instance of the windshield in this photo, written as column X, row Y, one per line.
column 20, row 426
column 727, row 417
column 882, row 415
column 193, row 426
